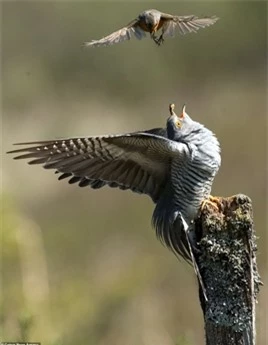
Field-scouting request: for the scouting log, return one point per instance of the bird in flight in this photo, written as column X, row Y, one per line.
column 174, row 165
column 151, row 21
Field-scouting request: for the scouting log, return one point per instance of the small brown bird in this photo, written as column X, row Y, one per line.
column 151, row 21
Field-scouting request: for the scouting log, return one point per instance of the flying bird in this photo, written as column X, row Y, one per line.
column 174, row 165
column 152, row 21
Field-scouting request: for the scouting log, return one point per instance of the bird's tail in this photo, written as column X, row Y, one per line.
column 190, row 246
column 175, row 233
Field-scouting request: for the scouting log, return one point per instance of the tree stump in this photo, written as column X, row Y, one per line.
column 227, row 264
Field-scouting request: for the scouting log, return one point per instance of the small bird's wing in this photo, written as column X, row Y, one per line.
column 120, row 35
column 185, row 24
column 137, row 161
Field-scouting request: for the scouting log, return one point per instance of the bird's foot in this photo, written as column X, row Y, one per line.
column 160, row 40
column 156, row 41
column 213, row 201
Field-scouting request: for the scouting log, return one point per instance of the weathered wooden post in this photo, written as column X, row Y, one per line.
column 227, row 264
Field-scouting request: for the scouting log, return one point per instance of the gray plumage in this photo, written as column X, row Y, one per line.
column 175, row 166
column 151, row 21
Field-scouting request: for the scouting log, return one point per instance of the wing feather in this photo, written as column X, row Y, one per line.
column 138, row 161
column 186, row 24
column 118, row 36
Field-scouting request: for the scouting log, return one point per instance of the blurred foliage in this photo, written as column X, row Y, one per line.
column 83, row 266
column 25, row 324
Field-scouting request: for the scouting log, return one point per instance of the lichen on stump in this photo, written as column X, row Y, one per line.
column 227, row 263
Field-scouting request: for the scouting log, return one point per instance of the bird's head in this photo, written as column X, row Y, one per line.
column 180, row 127
column 152, row 18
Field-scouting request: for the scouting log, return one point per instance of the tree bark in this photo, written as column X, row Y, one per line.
column 227, row 264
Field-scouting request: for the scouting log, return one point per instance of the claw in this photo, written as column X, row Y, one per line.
column 213, row 201
column 156, row 41
column 160, row 40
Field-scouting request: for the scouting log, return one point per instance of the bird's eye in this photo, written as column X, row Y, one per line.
column 178, row 124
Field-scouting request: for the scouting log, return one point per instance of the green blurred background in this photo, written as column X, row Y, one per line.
column 84, row 266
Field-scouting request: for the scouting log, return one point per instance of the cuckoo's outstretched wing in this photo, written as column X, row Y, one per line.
column 138, row 161
column 185, row 24
column 120, row 35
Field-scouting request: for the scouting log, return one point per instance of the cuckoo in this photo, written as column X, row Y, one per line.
column 152, row 21
column 174, row 165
